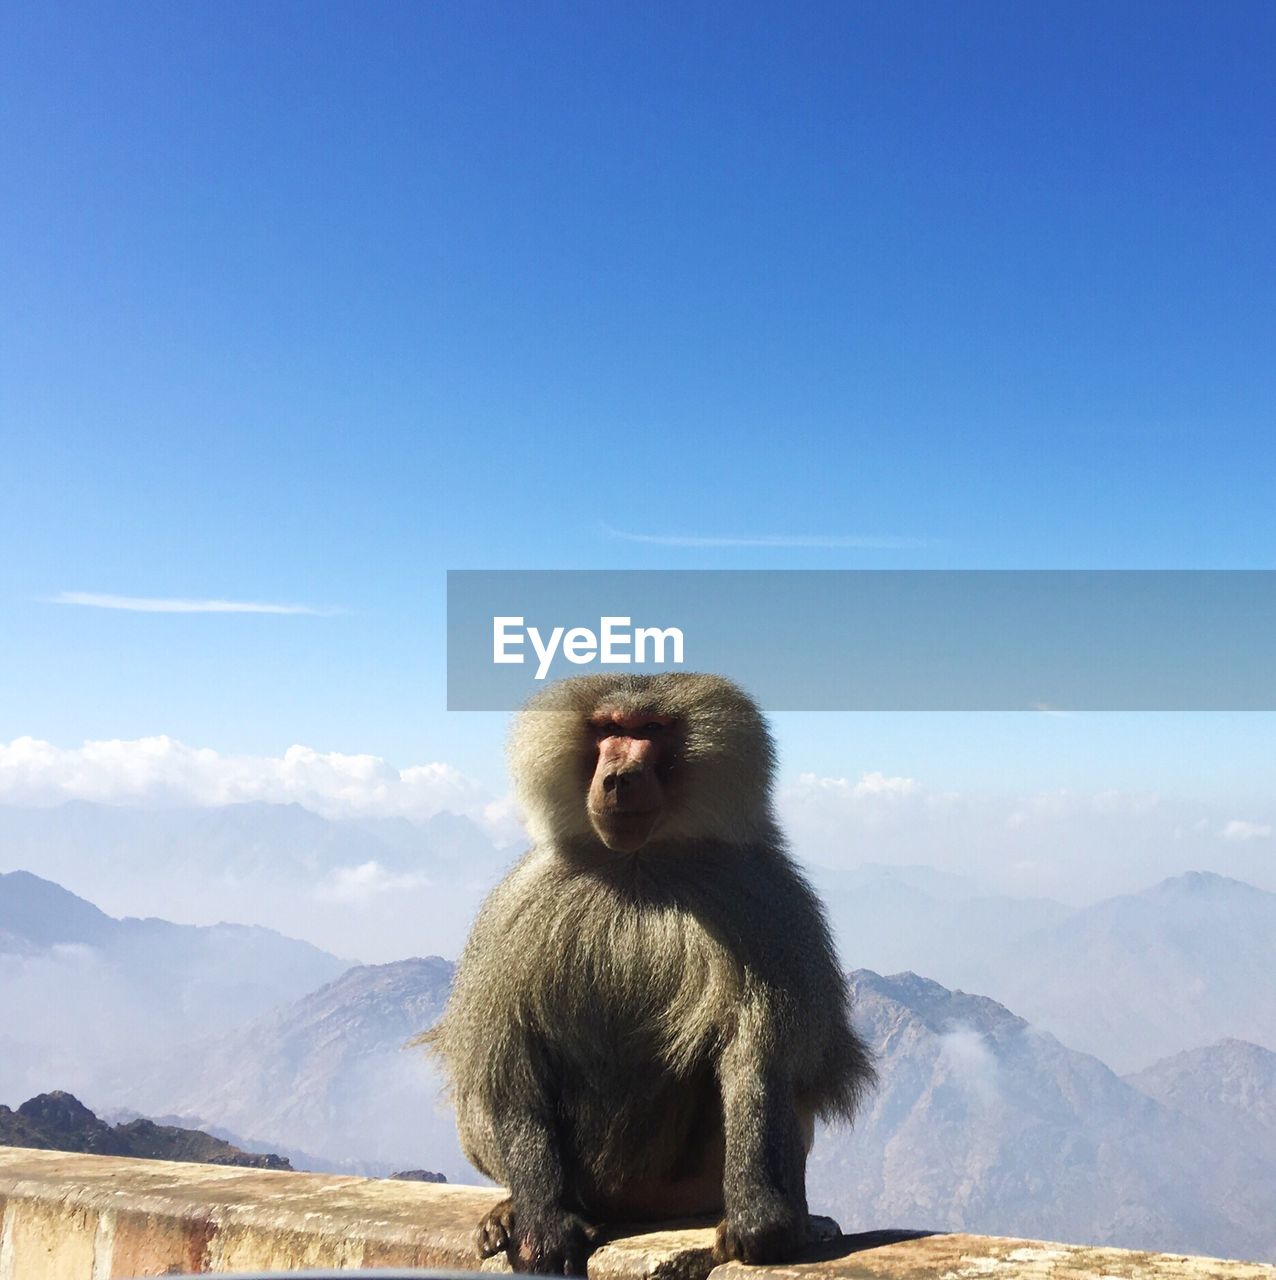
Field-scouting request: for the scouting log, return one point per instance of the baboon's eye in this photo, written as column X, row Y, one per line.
column 652, row 726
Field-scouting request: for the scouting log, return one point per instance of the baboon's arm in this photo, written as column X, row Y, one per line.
column 764, row 1186
column 545, row 1236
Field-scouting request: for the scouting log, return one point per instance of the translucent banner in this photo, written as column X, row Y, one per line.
column 850, row 640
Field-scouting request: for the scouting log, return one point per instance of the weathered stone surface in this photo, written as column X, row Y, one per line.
column 887, row 1255
column 84, row 1217
column 675, row 1254
column 81, row 1217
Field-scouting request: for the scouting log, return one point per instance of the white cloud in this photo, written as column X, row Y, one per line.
column 1068, row 844
column 366, row 881
column 869, row 786
column 971, row 1062
column 159, row 604
column 858, row 542
column 503, row 819
column 818, row 812
column 163, row 772
column 1239, row 829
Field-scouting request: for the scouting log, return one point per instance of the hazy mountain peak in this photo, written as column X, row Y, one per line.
column 47, row 914
column 1231, row 1084
column 1229, row 1048
column 369, row 977
column 1201, row 884
column 938, row 1008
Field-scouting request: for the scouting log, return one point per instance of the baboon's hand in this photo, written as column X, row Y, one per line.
column 765, row 1231
column 556, row 1243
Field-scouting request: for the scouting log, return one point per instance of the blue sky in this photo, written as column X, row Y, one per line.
column 310, row 303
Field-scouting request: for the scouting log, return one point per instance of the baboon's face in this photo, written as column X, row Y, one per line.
column 633, row 761
column 633, row 758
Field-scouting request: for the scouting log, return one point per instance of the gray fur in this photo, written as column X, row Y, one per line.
column 618, row 1019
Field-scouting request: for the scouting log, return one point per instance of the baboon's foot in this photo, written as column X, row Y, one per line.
column 495, row 1229
column 557, row 1243
column 761, row 1234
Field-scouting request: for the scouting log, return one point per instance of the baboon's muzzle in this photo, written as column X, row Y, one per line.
column 625, row 796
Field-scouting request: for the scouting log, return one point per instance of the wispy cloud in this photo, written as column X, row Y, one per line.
column 1239, row 829
column 166, row 604
column 829, row 542
column 366, row 881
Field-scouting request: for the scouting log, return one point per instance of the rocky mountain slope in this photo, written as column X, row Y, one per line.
column 984, row 1123
column 331, row 1073
column 1229, row 1086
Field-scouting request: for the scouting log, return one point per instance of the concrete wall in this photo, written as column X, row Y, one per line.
column 76, row 1217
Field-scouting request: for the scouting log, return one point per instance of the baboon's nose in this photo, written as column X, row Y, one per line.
column 626, row 790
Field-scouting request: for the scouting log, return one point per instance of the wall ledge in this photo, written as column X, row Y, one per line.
column 80, row 1217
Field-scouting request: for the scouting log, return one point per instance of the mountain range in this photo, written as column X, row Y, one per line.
column 331, row 1074
column 328, row 880
column 1130, row 979
column 984, row 1120
column 981, row 1122
column 88, row 999
column 1138, row 977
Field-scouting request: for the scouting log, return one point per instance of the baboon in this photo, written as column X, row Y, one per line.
column 648, row 1015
